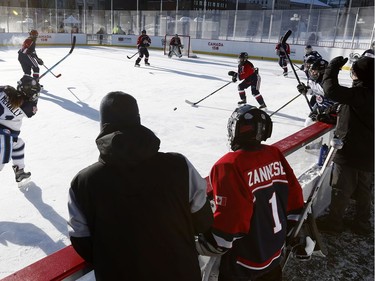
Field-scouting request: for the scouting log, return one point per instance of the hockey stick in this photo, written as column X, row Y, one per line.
column 132, row 56
column 287, row 34
column 195, row 103
column 297, row 67
column 285, row 104
column 57, row 76
column 336, row 144
column 56, row 64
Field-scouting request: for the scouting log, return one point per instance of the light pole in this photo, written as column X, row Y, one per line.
column 235, row 21
column 176, row 16
column 56, row 15
column 112, row 16
column 271, row 20
column 138, row 16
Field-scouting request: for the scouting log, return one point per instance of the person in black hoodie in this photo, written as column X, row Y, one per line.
column 354, row 163
column 135, row 213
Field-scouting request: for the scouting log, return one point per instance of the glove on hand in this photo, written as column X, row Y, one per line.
column 39, row 61
column 338, row 62
column 302, row 88
column 234, row 75
column 256, row 70
column 302, row 67
column 205, row 248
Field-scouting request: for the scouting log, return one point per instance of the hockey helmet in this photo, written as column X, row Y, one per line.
column 308, row 49
column 317, row 69
column 34, row 33
column 248, row 126
column 144, row 31
column 242, row 57
column 29, row 86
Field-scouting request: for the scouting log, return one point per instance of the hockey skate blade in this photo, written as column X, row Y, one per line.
column 23, row 185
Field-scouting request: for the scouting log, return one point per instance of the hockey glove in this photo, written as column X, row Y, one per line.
column 182, row 46
column 205, row 248
column 338, row 62
column 302, row 88
column 256, row 70
column 39, row 61
column 234, row 75
column 302, row 67
column 327, row 118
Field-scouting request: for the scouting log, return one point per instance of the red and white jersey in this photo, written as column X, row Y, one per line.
column 254, row 191
column 28, row 46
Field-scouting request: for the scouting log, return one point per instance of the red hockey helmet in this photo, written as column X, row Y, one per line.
column 34, row 33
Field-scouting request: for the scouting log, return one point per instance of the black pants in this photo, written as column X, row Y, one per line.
column 27, row 63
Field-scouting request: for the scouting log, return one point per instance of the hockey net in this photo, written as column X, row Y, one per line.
column 185, row 41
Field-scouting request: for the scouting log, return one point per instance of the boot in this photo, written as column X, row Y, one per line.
column 137, row 62
column 146, row 62
column 20, row 173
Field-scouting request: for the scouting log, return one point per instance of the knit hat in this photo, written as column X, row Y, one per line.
column 364, row 69
column 120, row 109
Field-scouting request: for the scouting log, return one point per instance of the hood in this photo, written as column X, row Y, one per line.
column 126, row 146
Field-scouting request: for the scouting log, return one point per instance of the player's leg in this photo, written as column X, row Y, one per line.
column 18, row 159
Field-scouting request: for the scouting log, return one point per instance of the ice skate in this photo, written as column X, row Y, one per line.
column 20, row 174
column 147, row 63
column 263, row 106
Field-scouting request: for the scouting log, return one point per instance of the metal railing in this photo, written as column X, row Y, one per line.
column 347, row 28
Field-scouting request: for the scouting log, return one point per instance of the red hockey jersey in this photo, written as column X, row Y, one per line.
column 254, row 192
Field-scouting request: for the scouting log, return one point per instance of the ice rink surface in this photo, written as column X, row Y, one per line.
column 60, row 138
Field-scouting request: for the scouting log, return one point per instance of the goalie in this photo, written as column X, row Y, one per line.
column 175, row 47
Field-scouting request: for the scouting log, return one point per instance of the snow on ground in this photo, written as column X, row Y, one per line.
column 60, row 139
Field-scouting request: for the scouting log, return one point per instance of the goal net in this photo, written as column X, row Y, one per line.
column 185, row 41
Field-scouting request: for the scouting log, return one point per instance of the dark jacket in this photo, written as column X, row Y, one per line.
column 135, row 212
column 355, row 123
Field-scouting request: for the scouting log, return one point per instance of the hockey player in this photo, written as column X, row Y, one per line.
column 250, row 78
column 14, row 106
column 143, row 42
column 257, row 197
column 310, row 57
column 175, row 47
column 324, row 109
column 282, row 50
column 27, row 55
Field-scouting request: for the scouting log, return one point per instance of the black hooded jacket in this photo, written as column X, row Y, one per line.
column 355, row 123
column 134, row 213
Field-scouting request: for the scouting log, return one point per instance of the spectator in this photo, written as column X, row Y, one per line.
column 74, row 29
column 353, row 164
column 101, row 33
column 134, row 213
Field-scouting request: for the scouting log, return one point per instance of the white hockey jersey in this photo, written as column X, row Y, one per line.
column 11, row 118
